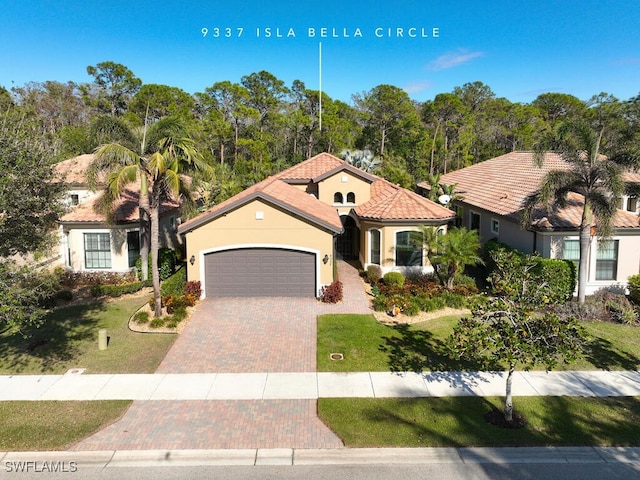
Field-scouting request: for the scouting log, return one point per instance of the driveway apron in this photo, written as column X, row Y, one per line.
column 238, row 335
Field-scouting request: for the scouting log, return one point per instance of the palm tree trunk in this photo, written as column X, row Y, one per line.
column 508, row 402
column 155, row 272
column 143, row 204
column 585, row 246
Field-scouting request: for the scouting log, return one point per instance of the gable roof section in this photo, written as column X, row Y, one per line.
column 500, row 185
column 320, row 167
column 278, row 193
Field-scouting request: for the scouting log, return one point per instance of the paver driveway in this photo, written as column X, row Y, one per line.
column 238, row 335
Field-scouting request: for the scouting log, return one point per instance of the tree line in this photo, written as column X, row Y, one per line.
column 258, row 126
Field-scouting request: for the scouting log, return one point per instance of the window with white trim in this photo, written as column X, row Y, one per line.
column 374, row 247
column 495, row 226
column 97, row 250
column 351, row 197
column 408, row 249
column 607, row 260
column 338, row 198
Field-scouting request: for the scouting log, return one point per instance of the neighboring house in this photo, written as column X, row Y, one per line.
column 88, row 242
column 281, row 236
column 491, row 195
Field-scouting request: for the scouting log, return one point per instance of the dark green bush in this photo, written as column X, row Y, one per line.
column 157, row 322
column 548, row 281
column 411, row 308
column 380, row 303
column 174, row 285
column 166, row 264
column 393, row 279
column 634, row 288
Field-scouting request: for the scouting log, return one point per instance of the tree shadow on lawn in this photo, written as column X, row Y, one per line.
column 57, row 341
column 418, row 351
column 604, row 355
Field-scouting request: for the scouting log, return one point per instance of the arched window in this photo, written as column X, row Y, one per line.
column 338, row 198
column 351, row 197
column 374, row 247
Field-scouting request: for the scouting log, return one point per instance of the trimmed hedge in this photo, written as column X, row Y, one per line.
column 116, row 290
column 554, row 280
column 174, row 285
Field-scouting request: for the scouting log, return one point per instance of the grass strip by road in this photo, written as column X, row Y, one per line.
column 51, row 425
column 69, row 339
column 459, row 422
column 368, row 345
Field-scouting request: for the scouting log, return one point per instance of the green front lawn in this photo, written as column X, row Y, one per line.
column 69, row 339
column 35, row 426
column 459, row 422
column 368, row 345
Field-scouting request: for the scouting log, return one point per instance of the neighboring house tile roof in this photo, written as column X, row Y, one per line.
column 500, row 185
column 74, row 170
column 388, row 201
column 125, row 209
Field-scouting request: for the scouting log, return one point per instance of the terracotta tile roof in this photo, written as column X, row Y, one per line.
column 73, row 171
column 311, row 168
column 501, row 184
column 280, row 193
column 569, row 218
column 126, row 209
column 390, row 202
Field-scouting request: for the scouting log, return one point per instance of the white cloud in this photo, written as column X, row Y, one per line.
column 417, row 87
column 450, row 60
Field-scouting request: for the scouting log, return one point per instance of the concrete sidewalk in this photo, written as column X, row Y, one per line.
column 310, row 386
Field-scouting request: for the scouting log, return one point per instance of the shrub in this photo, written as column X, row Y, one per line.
column 175, row 284
column 453, row 300
column 634, row 288
column 193, row 288
column 172, row 323
column 332, row 293
column 87, row 279
column 166, row 264
column 64, row 295
column 393, row 279
column 374, row 274
column 141, row 317
column 380, row 303
column 157, row 323
column 180, row 314
column 550, row 281
column 411, row 308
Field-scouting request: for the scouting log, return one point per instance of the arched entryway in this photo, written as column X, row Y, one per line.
column 348, row 243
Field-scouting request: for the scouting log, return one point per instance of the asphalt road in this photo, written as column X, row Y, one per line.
column 537, row 471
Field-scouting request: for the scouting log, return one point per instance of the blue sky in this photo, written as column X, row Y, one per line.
column 519, row 48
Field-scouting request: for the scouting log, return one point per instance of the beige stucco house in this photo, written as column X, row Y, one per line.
column 281, row 236
column 88, row 242
column 491, row 195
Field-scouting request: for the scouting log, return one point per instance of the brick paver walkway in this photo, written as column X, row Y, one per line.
column 238, row 335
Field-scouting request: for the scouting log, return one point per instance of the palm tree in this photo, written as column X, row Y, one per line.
column 168, row 170
column 450, row 253
column 124, row 157
column 598, row 178
column 167, row 155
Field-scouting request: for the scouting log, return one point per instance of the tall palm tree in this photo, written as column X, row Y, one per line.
column 598, row 178
column 166, row 157
column 168, row 169
column 124, row 156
